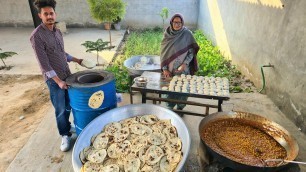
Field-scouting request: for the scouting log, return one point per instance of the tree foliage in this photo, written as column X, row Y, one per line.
column 4, row 55
column 97, row 46
column 106, row 10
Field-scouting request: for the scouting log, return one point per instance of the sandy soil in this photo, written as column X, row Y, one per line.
column 24, row 101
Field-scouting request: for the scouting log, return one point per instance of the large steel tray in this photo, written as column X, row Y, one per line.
column 128, row 111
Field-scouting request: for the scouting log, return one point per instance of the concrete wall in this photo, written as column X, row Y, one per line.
column 257, row 32
column 145, row 13
column 139, row 13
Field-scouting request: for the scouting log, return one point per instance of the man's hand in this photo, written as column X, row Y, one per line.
column 62, row 85
column 167, row 73
column 79, row 61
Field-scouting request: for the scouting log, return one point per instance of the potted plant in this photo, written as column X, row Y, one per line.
column 107, row 11
column 97, row 46
column 117, row 23
column 5, row 55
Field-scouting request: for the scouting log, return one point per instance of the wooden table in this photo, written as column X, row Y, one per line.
column 155, row 83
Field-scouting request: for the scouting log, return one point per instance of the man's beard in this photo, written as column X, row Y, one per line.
column 50, row 22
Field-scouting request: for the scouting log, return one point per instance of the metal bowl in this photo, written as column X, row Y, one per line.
column 141, row 81
column 128, row 111
column 153, row 64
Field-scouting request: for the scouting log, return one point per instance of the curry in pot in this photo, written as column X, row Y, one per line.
column 238, row 140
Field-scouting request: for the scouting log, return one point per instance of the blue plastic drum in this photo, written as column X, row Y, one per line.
column 91, row 93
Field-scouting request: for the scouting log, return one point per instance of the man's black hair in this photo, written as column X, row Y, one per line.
column 44, row 3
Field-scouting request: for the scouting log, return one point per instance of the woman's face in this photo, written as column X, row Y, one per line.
column 177, row 23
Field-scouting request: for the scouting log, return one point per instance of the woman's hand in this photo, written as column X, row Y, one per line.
column 181, row 68
column 167, row 73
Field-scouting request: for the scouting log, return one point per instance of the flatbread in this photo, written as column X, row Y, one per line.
column 96, row 99
column 101, row 141
column 97, row 156
column 113, row 151
column 165, row 165
column 92, row 167
column 112, row 128
column 175, row 143
column 174, row 156
column 157, row 138
column 132, row 165
column 170, row 132
column 122, row 134
column 111, row 168
column 154, row 154
column 84, row 154
column 140, row 129
column 148, row 119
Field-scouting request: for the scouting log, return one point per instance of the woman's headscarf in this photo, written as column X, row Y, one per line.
column 176, row 43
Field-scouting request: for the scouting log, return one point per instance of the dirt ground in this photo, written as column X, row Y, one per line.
column 24, row 101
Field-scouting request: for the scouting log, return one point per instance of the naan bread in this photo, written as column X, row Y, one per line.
column 96, row 99
column 165, row 165
column 154, row 154
column 174, row 156
column 157, row 138
column 170, row 132
column 84, row 154
column 140, row 129
column 100, row 141
column 148, row 119
column 175, row 143
column 122, row 134
column 92, row 167
column 113, row 151
column 132, row 165
column 97, row 156
column 149, row 168
column 112, row 128
column 111, row 168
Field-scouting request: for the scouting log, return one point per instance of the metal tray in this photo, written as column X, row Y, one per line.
column 128, row 111
column 152, row 65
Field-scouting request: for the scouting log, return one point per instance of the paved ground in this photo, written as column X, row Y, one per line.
column 41, row 152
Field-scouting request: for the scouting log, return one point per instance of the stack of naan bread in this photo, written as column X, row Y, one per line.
column 142, row 143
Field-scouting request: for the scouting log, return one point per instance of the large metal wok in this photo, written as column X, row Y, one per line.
column 281, row 135
column 124, row 112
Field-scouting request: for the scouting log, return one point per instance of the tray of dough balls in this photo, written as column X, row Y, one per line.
column 139, row 137
column 213, row 86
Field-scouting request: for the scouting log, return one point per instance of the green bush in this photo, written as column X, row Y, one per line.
column 211, row 61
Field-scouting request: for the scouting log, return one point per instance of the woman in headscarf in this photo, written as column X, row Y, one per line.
column 178, row 54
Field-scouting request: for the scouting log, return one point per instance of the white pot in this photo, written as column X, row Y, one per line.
column 117, row 26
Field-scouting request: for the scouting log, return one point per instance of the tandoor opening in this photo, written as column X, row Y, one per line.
column 89, row 78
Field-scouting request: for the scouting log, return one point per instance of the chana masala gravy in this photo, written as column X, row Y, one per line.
column 241, row 142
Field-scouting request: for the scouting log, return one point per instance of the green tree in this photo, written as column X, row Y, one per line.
column 107, row 11
column 4, row 55
column 164, row 15
column 97, row 46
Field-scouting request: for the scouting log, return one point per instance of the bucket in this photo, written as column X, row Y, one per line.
column 91, row 93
